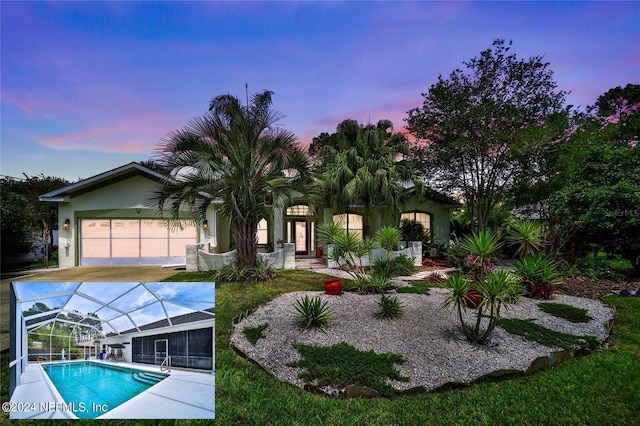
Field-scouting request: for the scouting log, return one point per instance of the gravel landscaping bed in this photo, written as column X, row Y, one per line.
column 428, row 337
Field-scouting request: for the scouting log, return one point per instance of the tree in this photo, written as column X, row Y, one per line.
column 480, row 128
column 17, row 217
column 46, row 213
column 365, row 168
column 596, row 207
column 233, row 156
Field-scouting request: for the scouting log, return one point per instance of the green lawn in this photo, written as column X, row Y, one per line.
column 602, row 388
column 599, row 389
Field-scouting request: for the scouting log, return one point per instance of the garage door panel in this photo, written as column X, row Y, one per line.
column 134, row 241
column 95, row 228
column 154, row 248
column 125, row 229
column 95, row 248
column 125, row 247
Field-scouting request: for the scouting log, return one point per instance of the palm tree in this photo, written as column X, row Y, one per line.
column 365, row 168
column 235, row 157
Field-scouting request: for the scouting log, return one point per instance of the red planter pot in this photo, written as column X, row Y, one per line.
column 333, row 287
column 319, row 253
column 473, row 299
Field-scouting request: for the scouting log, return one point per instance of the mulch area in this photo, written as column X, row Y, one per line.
column 594, row 289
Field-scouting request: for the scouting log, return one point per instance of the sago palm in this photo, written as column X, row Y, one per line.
column 235, row 157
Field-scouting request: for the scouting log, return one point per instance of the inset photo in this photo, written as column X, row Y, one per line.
column 112, row 350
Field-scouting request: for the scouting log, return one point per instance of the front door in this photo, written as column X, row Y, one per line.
column 301, row 232
column 300, row 237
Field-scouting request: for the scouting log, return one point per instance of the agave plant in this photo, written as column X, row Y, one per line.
column 526, row 236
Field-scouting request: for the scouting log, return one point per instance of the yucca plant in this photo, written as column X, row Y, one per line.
column 499, row 289
column 526, row 235
column 482, row 246
column 312, row 313
column 390, row 307
column 538, row 274
column 388, row 237
column 379, row 282
column 347, row 248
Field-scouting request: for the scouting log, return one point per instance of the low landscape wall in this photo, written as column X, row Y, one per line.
column 413, row 251
column 199, row 258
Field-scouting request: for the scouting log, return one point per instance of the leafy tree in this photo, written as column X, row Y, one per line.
column 481, row 127
column 17, row 217
column 597, row 205
column 46, row 213
column 363, row 168
column 237, row 158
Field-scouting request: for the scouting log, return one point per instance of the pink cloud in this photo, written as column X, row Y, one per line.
column 137, row 134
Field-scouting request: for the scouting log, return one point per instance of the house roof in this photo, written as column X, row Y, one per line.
column 103, row 179
column 114, row 307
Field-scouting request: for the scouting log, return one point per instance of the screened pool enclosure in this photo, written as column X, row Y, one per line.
column 134, row 322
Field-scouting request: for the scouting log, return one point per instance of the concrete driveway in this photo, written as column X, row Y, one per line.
column 80, row 274
column 96, row 273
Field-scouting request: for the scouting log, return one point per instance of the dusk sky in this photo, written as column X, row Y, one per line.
column 89, row 86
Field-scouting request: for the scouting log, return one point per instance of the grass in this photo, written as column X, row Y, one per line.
column 550, row 338
column 598, row 389
column 253, row 334
column 568, row 312
column 417, row 287
column 342, row 364
column 601, row 388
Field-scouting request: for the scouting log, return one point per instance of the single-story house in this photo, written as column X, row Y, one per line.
column 107, row 220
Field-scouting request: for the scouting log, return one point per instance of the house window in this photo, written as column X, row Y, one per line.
column 263, row 232
column 422, row 218
column 351, row 222
column 298, row 210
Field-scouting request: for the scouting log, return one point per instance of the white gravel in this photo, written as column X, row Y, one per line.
column 428, row 337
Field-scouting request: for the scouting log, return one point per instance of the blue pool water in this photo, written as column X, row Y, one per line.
column 91, row 389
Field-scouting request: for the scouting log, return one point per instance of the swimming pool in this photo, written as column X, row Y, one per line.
column 91, row 389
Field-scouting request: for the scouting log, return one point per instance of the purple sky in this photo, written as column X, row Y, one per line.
column 89, row 86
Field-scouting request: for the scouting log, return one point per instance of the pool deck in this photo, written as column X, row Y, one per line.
column 182, row 395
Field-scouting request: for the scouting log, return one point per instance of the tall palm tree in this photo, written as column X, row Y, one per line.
column 235, row 157
column 365, row 168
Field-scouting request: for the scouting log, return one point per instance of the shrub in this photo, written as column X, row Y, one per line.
column 264, row 271
column 253, row 334
column 568, row 312
column 312, row 313
column 390, row 307
column 341, row 365
column 538, row 274
column 401, row 265
column 397, row 266
column 232, row 272
column 414, row 231
column 456, row 254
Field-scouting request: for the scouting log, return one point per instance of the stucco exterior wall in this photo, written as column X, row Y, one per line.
column 124, row 199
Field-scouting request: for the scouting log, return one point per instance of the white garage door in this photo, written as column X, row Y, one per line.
column 134, row 241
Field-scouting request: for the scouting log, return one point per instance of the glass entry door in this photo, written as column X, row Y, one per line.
column 161, row 349
column 301, row 232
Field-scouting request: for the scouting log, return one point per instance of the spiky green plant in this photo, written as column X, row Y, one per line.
column 312, row 313
column 482, row 245
column 498, row 290
column 390, row 307
column 388, row 237
column 347, row 249
column 538, row 274
column 526, row 235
